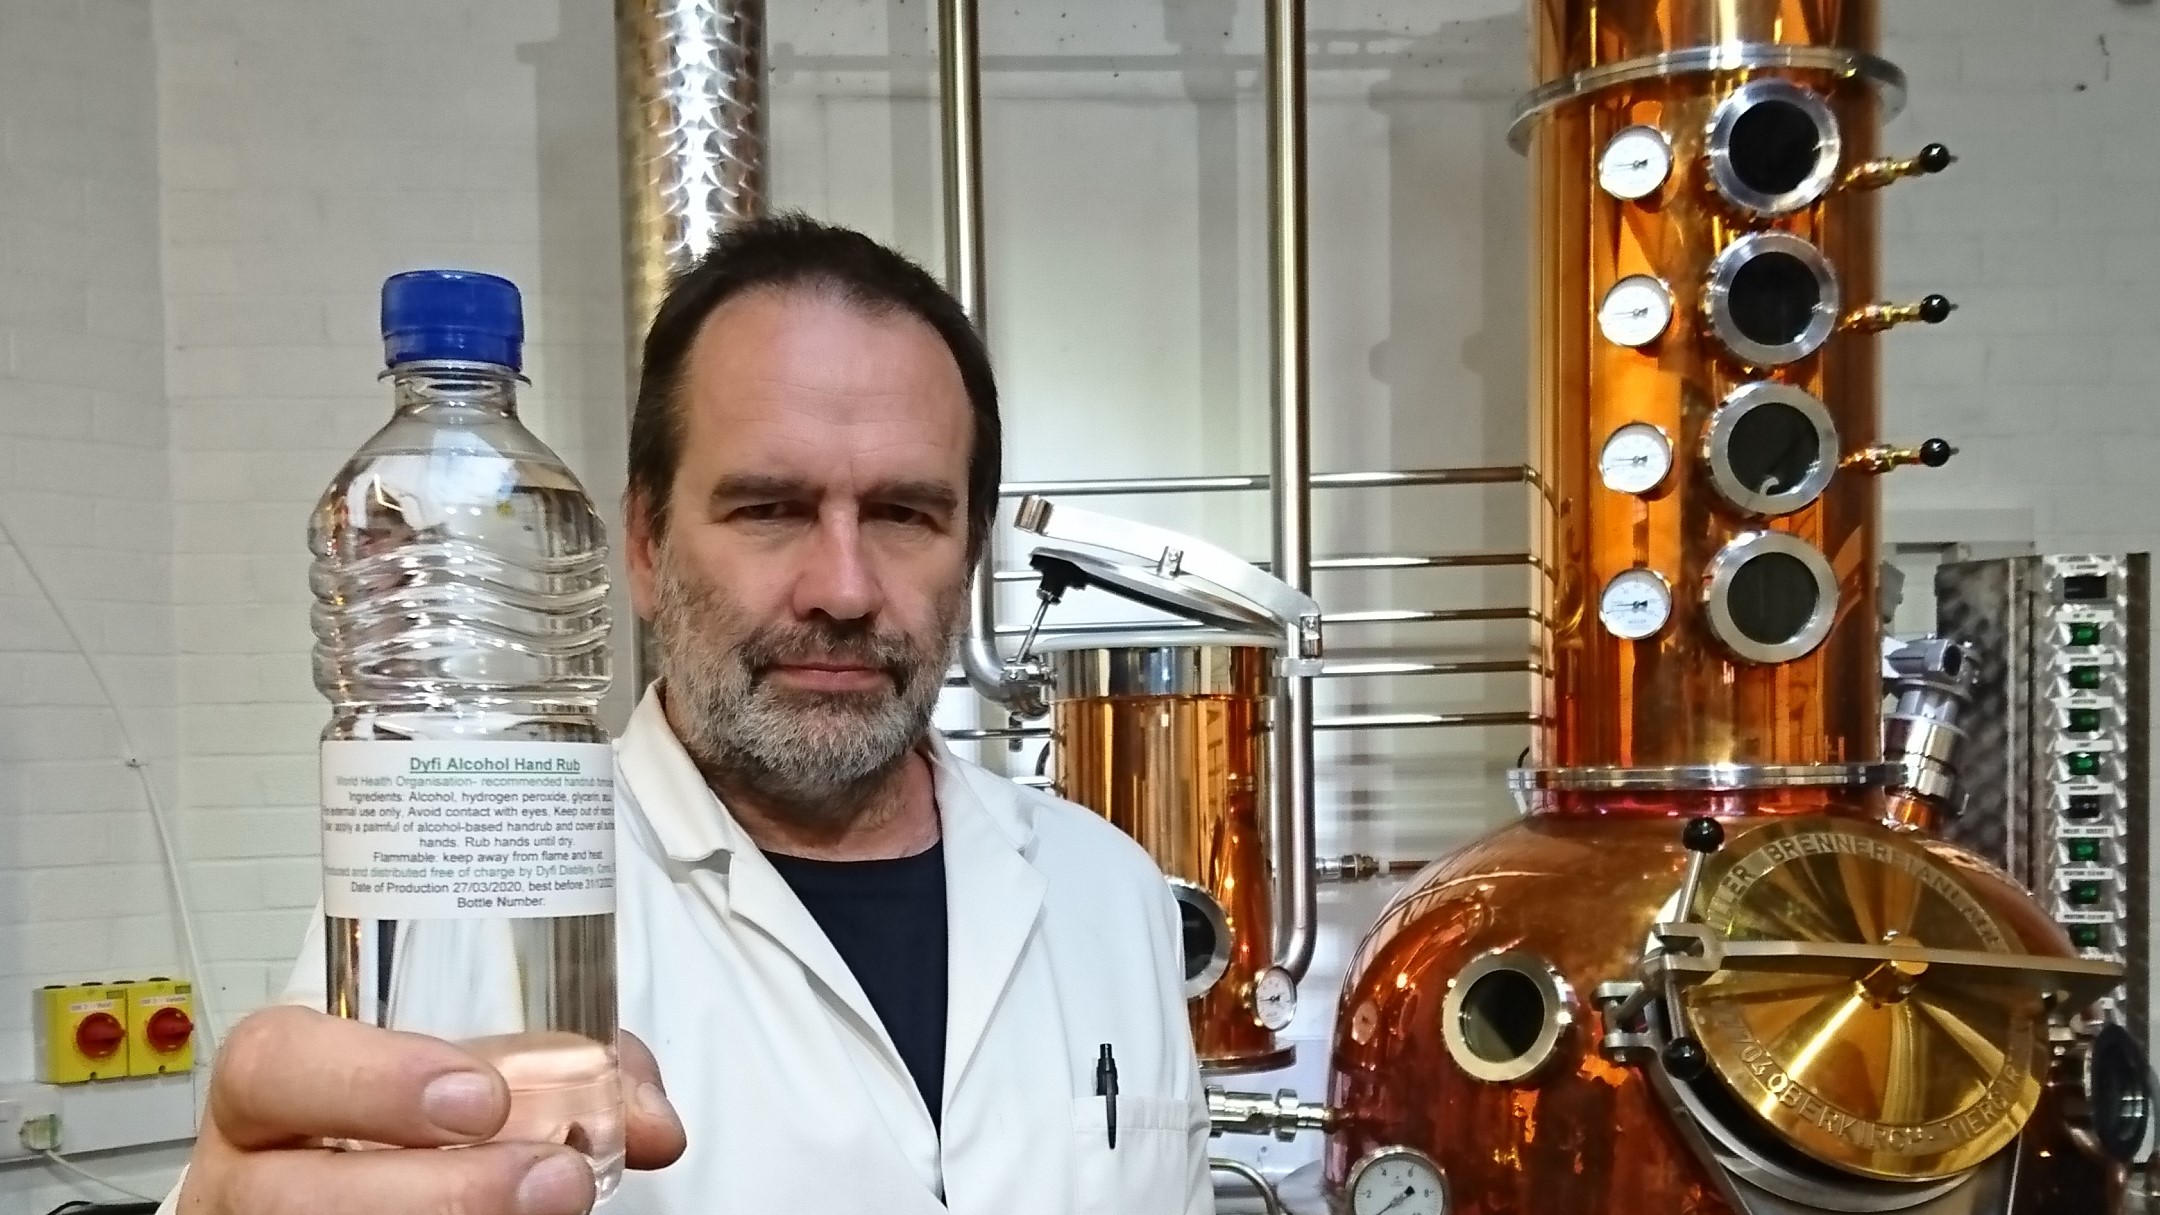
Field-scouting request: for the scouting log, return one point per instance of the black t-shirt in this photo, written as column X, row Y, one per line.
column 886, row 919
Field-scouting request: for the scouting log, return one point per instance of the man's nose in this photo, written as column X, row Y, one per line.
column 836, row 579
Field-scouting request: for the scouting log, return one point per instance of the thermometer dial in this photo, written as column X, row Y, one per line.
column 1635, row 605
column 1636, row 311
column 1635, row 163
column 1397, row 1181
column 1274, row 998
column 1636, row 459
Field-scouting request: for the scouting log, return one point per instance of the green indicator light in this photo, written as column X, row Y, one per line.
column 2085, row 894
column 2085, row 679
column 2084, row 721
column 2085, row 852
column 2085, row 634
column 2085, row 936
column 2082, row 763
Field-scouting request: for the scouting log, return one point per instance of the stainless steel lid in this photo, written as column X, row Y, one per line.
column 1173, row 573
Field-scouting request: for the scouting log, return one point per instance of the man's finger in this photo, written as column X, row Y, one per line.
column 291, row 1075
column 654, row 1132
column 492, row 1179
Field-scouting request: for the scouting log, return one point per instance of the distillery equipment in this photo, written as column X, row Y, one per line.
column 1723, row 964
column 1165, row 733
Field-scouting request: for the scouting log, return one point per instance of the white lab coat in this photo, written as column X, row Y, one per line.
column 1062, row 937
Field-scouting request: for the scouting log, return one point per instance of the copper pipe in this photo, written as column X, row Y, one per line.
column 1291, row 827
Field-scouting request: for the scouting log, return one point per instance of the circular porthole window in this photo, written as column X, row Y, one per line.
column 1206, row 933
column 1771, row 448
column 1770, row 597
column 1772, row 298
column 1774, row 147
column 1505, row 1016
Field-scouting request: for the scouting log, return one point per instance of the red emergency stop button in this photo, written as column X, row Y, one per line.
column 100, row 1036
column 168, row 1030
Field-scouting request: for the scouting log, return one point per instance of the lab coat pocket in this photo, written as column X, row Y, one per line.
column 1147, row 1173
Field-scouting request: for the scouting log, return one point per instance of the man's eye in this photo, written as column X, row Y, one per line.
column 764, row 512
column 898, row 514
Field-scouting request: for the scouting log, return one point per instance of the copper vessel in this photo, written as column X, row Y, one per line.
column 1166, row 736
column 1716, row 970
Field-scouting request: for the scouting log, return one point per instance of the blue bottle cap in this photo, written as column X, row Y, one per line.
column 452, row 314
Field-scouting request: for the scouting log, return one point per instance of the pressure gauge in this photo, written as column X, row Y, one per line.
column 1635, row 163
column 1274, row 998
column 1397, row 1181
column 1635, row 605
column 1636, row 459
column 1635, row 311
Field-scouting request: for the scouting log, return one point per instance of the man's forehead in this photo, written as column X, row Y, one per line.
column 796, row 369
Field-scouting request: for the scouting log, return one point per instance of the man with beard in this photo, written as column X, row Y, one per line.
column 874, row 978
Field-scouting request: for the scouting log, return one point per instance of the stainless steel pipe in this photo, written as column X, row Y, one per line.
column 690, row 94
column 960, row 127
column 691, row 91
column 1290, row 838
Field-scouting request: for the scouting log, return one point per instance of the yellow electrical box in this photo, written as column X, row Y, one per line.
column 82, row 1032
column 161, row 1027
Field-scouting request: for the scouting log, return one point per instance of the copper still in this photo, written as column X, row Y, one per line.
column 1166, row 736
column 1719, row 968
column 1166, row 733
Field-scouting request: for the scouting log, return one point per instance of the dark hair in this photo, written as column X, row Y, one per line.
column 791, row 251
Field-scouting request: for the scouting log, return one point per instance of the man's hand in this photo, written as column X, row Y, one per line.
column 289, row 1079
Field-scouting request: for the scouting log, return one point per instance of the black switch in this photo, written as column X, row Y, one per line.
column 2083, row 588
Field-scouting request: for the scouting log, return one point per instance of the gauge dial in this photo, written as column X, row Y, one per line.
column 1398, row 1181
column 1636, row 459
column 1636, row 311
column 1635, row 605
column 1635, row 163
column 1274, row 998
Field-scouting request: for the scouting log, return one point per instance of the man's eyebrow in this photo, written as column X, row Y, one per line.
column 761, row 485
column 926, row 494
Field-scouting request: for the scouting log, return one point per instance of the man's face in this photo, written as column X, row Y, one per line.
column 814, row 563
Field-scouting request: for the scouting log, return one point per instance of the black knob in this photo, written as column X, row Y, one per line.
column 1935, row 157
column 1935, row 453
column 1703, row 835
column 1936, row 309
column 1686, row 1059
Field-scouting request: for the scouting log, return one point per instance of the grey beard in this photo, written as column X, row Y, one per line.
column 817, row 758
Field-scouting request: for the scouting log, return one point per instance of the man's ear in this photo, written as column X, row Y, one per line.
column 641, row 553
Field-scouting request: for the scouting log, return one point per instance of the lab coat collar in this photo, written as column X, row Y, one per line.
column 993, row 893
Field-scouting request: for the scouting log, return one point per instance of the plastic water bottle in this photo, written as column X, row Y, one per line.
column 461, row 635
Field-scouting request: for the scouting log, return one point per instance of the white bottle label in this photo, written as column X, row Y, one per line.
column 467, row 830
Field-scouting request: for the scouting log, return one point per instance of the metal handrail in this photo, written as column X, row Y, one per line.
column 1350, row 619
column 1424, row 721
column 1361, row 721
column 1381, row 670
column 1500, row 474
column 1368, row 561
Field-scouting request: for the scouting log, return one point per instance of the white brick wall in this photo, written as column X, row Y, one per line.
column 85, row 489
column 195, row 213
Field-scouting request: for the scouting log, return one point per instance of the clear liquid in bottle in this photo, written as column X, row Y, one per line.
column 461, row 635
